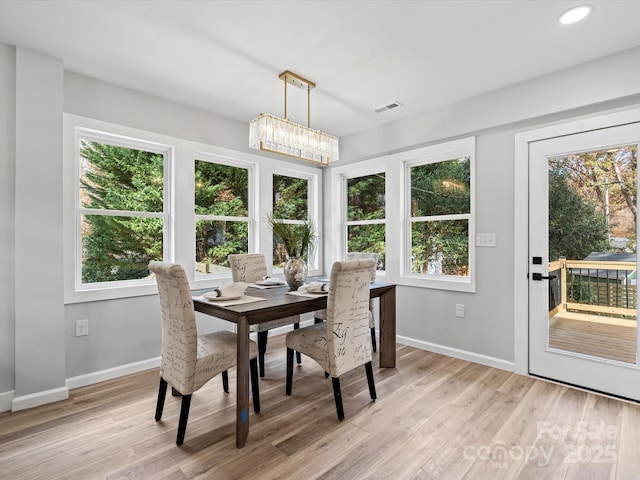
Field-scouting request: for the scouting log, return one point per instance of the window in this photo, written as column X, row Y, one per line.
column 121, row 207
column 439, row 209
column 221, row 214
column 365, row 215
column 290, row 204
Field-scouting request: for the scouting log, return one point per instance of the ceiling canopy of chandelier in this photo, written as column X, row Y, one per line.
column 279, row 135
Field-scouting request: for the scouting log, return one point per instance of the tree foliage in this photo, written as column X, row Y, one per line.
column 118, row 178
column 366, row 201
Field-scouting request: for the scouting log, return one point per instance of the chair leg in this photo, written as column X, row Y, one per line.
column 289, row 371
column 162, row 393
column 225, row 381
column 317, row 320
column 372, row 386
column 184, row 416
column 373, row 340
column 296, row 326
column 262, row 348
column 175, row 393
column 338, row 397
column 253, row 368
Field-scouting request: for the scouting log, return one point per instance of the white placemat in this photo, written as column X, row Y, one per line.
column 228, row 303
column 264, row 287
column 307, row 294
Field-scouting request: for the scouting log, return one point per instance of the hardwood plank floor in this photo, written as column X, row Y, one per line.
column 436, row 417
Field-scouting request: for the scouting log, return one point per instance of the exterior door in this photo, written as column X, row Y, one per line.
column 582, row 260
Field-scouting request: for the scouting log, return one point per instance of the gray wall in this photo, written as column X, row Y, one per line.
column 126, row 331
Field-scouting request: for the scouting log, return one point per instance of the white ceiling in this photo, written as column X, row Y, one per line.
column 225, row 56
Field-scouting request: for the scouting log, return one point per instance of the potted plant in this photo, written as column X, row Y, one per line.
column 298, row 240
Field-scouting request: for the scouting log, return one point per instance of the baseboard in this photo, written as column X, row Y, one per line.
column 39, row 398
column 456, row 353
column 6, row 399
column 111, row 373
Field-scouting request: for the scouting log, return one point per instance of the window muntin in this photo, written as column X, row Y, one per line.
column 365, row 223
column 121, row 208
column 290, row 203
column 221, row 214
column 440, row 212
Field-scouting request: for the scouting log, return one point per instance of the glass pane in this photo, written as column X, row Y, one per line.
column 119, row 178
column 290, row 197
column 221, row 189
column 119, row 248
column 441, row 188
column 217, row 239
column 592, row 253
column 365, row 197
column 367, row 238
column 280, row 251
column 440, row 247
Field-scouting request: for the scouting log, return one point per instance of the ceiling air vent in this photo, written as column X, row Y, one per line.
column 389, row 106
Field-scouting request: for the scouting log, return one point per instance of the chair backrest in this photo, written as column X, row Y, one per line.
column 349, row 338
column 179, row 332
column 363, row 255
column 247, row 267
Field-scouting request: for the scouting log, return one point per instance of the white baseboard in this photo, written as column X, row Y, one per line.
column 39, row 398
column 6, row 399
column 461, row 354
column 111, row 373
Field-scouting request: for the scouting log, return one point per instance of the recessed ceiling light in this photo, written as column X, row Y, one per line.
column 575, row 14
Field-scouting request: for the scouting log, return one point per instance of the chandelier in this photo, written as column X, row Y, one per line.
column 279, row 135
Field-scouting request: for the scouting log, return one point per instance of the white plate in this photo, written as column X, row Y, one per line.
column 212, row 296
column 269, row 283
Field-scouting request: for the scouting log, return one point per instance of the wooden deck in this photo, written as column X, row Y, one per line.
column 613, row 339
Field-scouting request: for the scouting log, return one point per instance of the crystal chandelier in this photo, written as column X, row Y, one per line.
column 279, row 135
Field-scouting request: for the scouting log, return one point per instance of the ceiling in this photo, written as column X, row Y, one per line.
column 225, row 56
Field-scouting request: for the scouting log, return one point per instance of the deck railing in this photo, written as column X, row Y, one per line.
column 599, row 288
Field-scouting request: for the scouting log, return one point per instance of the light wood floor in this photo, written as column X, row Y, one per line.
column 436, row 417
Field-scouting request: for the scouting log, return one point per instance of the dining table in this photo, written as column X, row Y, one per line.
column 274, row 303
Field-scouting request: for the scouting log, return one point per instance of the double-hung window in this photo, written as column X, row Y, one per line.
column 365, row 222
column 440, row 217
column 223, row 213
column 122, row 219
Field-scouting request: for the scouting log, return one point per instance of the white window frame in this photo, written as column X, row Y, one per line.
column 252, row 206
column 346, row 223
column 433, row 154
column 77, row 129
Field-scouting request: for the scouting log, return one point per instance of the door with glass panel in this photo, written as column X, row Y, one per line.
column 582, row 259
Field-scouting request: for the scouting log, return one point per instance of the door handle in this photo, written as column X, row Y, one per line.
column 539, row 277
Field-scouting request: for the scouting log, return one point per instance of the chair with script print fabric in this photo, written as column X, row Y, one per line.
column 250, row 268
column 190, row 360
column 342, row 343
column 321, row 315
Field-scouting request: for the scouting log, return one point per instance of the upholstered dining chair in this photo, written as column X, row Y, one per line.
column 250, row 268
column 321, row 315
column 342, row 343
column 190, row 360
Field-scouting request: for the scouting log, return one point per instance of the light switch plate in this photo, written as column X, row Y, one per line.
column 485, row 240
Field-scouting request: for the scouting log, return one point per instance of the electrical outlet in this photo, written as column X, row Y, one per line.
column 459, row 310
column 82, row 327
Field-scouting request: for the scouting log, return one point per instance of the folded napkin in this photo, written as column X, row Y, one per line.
column 314, row 287
column 234, row 290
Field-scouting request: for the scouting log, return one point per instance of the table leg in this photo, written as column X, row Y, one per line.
column 388, row 329
column 242, row 383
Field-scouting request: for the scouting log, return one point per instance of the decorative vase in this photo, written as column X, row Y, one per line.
column 295, row 272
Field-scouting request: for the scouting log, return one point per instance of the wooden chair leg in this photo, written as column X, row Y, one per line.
column 225, row 381
column 317, row 320
column 372, row 386
column 289, row 371
column 373, row 340
column 338, row 397
column 253, row 369
column 262, row 348
column 175, row 393
column 184, row 416
column 162, row 393
column 296, row 326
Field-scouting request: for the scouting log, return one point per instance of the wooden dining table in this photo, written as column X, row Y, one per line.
column 278, row 304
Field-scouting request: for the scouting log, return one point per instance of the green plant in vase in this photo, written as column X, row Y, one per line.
column 298, row 240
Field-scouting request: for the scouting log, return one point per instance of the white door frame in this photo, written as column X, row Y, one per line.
column 521, row 217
